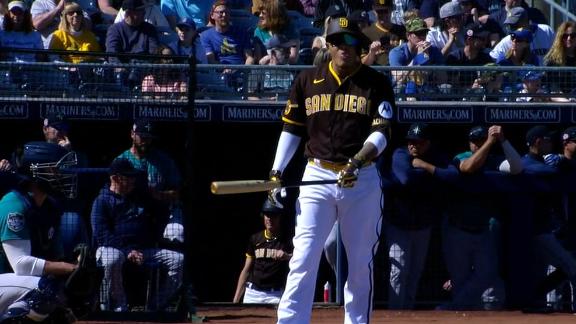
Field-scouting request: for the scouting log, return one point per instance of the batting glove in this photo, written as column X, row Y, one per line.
column 347, row 177
column 275, row 194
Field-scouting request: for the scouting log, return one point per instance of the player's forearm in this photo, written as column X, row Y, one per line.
column 514, row 159
column 477, row 160
column 287, row 145
column 58, row 268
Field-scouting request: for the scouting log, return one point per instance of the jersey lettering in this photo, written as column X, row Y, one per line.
column 267, row 253
column 342, row 102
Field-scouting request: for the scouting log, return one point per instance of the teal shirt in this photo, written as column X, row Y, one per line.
column 160, row 169
column 13, row 208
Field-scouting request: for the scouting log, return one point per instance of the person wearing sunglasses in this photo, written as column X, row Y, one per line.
column 344, row 109
column 562, row 53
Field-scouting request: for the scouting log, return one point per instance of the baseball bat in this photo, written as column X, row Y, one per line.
column 246, row 186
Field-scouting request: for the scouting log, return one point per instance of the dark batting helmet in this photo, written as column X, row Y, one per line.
column 341, row 30
column 269, row 208
column 46, row 164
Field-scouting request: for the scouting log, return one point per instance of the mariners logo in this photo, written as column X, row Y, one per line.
column 15, row 222
column 343, row 22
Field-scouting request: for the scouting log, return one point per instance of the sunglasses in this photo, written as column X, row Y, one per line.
column 72, row 13
column 421, row 33
column 345, row 39
column 571, row 35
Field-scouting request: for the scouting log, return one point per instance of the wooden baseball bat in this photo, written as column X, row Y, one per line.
column 246, row 186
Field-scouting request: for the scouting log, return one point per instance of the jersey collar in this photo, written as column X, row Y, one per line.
column 337, row 78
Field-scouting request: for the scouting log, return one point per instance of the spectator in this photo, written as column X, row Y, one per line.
column 224, row 43
column 383, row 33
column 295, row 5
column 400, row 8
column 417, row 172
column 518, row 20
column 347, row 6
column 264, row 274
column 189, row 41
column 429, row 11
column 73, row 35
column 176, row 10
column 274, row 20
column 29, row 218
column 18, row 33
column 449, row 38
column 124, row 230
column 474, row 13
column 535, row 16
column 167, row 82
column 361, row 18
column 46, row 17
column 562, row 53
column 519, row 53
column 469, row 242
column 162, row 178
column 109, row 9
column 133, row 34
column 488, row 85
column 152, row 15
column 309, row 7
column 532, row 88
column 415, row 52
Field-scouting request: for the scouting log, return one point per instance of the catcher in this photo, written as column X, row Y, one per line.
column 34, row 288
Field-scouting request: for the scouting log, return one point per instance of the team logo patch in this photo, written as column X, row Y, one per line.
column 385, row 110
column 16, row 222
column 343, row 22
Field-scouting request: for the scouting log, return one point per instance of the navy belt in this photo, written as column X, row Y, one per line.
column 253, row 286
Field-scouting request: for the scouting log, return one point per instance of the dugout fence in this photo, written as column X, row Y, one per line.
column 231, row 134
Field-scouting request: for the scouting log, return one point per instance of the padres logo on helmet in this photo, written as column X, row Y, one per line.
column 343, row 22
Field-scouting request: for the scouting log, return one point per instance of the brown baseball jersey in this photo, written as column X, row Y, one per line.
column 338, row 114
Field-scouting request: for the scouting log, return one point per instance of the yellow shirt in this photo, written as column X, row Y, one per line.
column 85, row 41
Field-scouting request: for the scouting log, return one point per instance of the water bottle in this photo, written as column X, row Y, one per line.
column 327, row 291
column 507, row 92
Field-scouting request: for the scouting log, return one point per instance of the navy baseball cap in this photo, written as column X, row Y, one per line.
column 515, row 15
column 418, row 132
column 144, row 128
column 569, row 134
column 122, row 167
column 538, row 132
column 335, row 11
column 57, row 121
column 477, row 133
column 187, row 22
column 133, row 5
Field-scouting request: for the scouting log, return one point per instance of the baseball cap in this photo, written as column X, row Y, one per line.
column 532, row 75
column 537, row 132
column 569, row 134
column 415, row 24
column 477, row 30
column 132, row 5
column 17, row 4
column 347, row 32
column 515, row 15
column 144, row 128
column 57, row 121
column 122, row 167
column 381, row 4
column 359, row 16
column 419, row 131
column 522, row 34
column 335, row 11
column 186, row 22
column 279, row 41
column 450, row 9
column 477, row 133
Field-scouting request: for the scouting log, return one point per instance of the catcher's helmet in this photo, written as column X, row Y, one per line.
column 339, row 27
column 269, row 208
column 46, row 162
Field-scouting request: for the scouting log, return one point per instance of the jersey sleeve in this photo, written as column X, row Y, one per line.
column 386, row 106
column 294, row 115
column 14, row 225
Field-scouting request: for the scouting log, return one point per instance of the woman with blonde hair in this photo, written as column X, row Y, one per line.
column 274, row 20
column 73, row 34
column 562, row 53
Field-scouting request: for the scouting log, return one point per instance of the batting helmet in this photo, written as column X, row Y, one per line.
column 348, row 32
column 269, row 208
column 45, row 162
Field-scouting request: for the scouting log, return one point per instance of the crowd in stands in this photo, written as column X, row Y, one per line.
column 407, row 33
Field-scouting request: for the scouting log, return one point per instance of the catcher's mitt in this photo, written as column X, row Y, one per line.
column 82, row 286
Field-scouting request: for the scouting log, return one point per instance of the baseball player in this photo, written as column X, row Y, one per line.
column 344, row 108
column 264, row 275
column 468, row 241
column 31, row 284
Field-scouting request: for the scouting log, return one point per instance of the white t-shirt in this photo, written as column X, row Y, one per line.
column 439, row 38
column 543, row 37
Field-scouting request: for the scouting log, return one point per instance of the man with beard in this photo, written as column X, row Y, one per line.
column 162, row 177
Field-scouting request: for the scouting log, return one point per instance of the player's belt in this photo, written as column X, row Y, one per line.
column 328, row 165
column 253, row 286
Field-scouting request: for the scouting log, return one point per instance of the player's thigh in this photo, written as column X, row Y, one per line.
column 14, row 287
column 110, row 257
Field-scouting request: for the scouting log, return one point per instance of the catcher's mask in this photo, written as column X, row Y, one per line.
column 47, row 164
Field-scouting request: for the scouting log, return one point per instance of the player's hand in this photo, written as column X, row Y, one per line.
column 496, row 133
column 348, row 176
column 273, row 195
column 64, row 141
column 5, row 165
column 423, row 46
column 136, row 257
